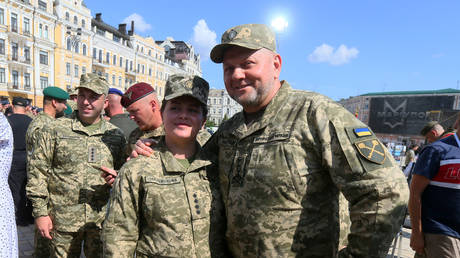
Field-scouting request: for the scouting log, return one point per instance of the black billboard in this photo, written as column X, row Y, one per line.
column 407, row 115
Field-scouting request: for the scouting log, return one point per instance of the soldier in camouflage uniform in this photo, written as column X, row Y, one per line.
column 284, row 160
column 68, row 195
column 54, row 104
column 169, row 204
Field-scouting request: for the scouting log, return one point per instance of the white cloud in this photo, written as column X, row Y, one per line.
column 203, row 39
column 327, row 54
column 139, row 23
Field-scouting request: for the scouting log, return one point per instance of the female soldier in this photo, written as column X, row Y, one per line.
column 169, row 204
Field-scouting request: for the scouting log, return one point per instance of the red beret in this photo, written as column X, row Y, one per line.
column 136, row 92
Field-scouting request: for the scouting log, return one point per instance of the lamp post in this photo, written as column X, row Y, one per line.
column 75, row 37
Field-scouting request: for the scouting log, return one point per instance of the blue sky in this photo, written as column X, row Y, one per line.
column 337, row 48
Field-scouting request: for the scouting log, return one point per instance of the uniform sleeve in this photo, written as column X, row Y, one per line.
column 427, row 164
column 367, row 175
column 121, row 155
column 120, row 229
column 218, row 220
column 40, row 160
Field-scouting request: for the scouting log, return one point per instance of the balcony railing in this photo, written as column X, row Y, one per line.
column 12, row 85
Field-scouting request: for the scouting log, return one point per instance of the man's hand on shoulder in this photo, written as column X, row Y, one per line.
column 143, row 148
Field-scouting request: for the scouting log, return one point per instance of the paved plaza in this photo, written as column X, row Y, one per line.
column 26, row 243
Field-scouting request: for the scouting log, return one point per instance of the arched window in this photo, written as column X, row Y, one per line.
column 83, row 23
column 75, row 20
column 84, row 49
column 69, row 45
column 67, row 16
column 77, row 48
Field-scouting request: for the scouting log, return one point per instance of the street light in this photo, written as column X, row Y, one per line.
column 75, row 37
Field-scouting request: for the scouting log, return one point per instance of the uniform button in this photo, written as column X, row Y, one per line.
column 196, row 200
column 198, row 212
column 197, row 207
column 194, row 195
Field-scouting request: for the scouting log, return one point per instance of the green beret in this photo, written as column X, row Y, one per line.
column 427, row 128
column 55, row 93
column 68, row 110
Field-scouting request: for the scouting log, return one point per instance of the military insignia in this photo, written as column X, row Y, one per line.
column 372, row 150
column 128, row 95
column 91, row 154
column 189, row 84
column 360, row 132
column 231, row 35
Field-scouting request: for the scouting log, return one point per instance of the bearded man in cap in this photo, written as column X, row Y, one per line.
column 17, row 178
column 284, row 160
column 54, row 104
column 68, row 195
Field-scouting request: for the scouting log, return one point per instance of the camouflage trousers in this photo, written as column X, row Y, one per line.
column 69, row 244
column 41, row 246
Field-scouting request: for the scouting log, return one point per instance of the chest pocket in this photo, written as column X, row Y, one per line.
column 67, row 150
column 164, row 199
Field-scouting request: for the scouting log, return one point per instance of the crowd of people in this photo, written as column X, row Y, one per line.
column 292, row 175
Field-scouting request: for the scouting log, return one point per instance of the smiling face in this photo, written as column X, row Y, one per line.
column 183, row 117
column 251, row 76
column 90, row 105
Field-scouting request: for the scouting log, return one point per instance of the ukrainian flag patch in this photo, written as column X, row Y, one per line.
column 361, row 132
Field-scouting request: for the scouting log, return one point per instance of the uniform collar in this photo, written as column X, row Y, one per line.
column 239, row 128
column 171, row 164
column 77, row 125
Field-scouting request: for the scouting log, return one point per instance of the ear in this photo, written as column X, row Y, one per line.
column 153, row 104
column 54, row 103
column 106, row 102
column 277, row 62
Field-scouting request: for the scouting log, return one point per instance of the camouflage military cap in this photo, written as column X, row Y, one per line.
column 92, row 81
column 72, row 91
column 185, row 85
column 427, row 128
column 251, row 36
column 55, row 93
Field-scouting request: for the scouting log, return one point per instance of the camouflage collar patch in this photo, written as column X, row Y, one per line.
column 372, row 150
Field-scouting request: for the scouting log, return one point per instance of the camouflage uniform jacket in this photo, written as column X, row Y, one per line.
column 280, row 179
column 137, row 134
column 40, row 121
column 160, row 209
column 63, row 178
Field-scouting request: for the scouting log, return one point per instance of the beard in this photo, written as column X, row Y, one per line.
column 253, row 98
column 59, row 114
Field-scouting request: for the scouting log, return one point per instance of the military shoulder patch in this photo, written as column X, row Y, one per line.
column 363, row 131
column 372, row 150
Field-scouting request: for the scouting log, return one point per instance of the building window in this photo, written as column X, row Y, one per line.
column 84, row 49
column 77, row 48
column 14, row 49
column 40, row 30
column 130, row 65
column 2, row 46
column 142, row 50
column 113, row 79
column 83, row 23
column 143, row 69
column 15, row 76
column 107, row 58
column 94, row 53
column 76, row 72
column 114, row 59
column 44, row 57
column 2, row 16
column 2, row 75
column 43, row 82
column 69, row 45
column 119, row 81
column 121, row 61
column 150, row 71
column 75, row 20
column 41, row 5
column 100, row 32
column 83, row 70
column 67, row 16
column 138, row 68
column 116, row 38
column 27, row 53
column 67, row 68
column 126, row 67
column 150, row 52
column 26, row 28
column 100, row 55
column 106, row 76
column 14, row 22
column 46, row 31
column 27, row 80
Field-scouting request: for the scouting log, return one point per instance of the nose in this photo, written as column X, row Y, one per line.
column 238, row 73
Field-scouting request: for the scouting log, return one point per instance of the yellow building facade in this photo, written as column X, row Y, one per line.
column 51, row 43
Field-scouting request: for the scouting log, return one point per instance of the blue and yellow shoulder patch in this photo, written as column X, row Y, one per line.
column 361, row 132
